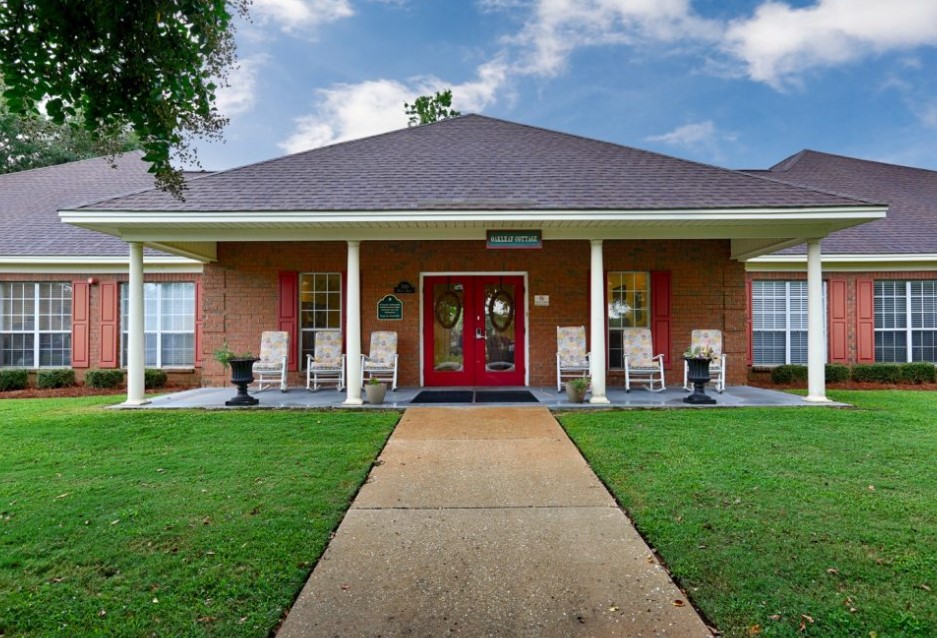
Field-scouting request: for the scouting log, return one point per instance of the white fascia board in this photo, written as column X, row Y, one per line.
column 845, row 262
column 128, row 219
column 92, row 264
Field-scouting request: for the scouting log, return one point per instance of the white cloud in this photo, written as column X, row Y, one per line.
column 301, row 15
column 779, row 42
column 558, row 27
column 688, row 135
column 240, row 93
column 351, row 111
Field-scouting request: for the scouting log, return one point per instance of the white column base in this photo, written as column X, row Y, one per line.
column 817, row 399
column 603, row 400
column 352, row 401
column 135, row 402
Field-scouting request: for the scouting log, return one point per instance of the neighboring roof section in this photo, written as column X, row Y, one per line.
column 30, row 201
column 476, row 163
column 911, row 195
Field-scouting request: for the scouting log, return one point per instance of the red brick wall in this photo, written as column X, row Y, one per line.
column 183, row 378
column 708, row 291
column 850, row 280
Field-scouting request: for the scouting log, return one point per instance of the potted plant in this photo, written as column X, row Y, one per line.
column 375, row 389
column 242, row 373
column 576, row 389
column 698, row 359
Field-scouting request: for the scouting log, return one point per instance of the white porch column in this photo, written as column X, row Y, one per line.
column 136, row 358
column 597, row 323
column 353, row 325
column 816, row 363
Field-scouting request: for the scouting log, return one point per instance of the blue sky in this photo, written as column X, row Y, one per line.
column 738, row 83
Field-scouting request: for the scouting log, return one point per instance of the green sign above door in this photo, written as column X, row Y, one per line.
column 499, row 239
column 390, row 309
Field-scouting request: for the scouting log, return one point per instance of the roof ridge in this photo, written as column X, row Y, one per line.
column 869, row 161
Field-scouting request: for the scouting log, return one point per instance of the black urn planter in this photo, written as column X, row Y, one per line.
column 242, row 375
column 698, row 374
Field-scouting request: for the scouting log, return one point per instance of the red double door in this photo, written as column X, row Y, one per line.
column 473, row 330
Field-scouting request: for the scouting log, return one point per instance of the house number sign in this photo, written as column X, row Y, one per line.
column 390, row 309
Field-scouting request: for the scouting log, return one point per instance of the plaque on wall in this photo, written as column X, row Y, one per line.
column 389, row 309
column 404, row 287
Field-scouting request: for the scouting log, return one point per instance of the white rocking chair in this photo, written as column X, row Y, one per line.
column 572, row 360
column 381, row 362
column 641, row 365
column 328, row 363
column 274, row 352
column 717, row 368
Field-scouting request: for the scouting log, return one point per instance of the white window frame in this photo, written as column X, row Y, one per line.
column 159, row 331
column 909, row 330
column 787, row 330
column 646, row 307
column 303, row 331
column 36, row 332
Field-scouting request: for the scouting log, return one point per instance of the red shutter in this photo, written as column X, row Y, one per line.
column 288, row 313
column 660, row 313
column 198, row 324
column 81, row 306
column 749, row 342
column 839, row 350
column 110, row 324
column 865, row 321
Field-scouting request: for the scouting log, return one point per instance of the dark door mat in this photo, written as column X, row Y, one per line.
column 504, row 396
column 443, row 396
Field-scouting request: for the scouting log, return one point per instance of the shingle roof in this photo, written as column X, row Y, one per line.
column 30, row 201
column 475, row 162
column 911, row 195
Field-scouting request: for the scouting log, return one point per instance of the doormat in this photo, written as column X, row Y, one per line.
column 444, row 396
column 505, row 396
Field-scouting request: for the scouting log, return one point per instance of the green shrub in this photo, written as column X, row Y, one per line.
column 14, row 379
column 837, row 373
column 154, row 378
column 918, row 373
column 877, row 373
column 789, row 374
column 58, row 378
column 99, row 379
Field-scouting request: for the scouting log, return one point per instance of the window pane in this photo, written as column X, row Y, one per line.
column 628, row 305
column 169, row 324
column 924, row 346
column 18, row 311
column 55, row 349
column 16, row 350
column 768, row 348
column 178, row 349
column 891, row 347
column 320, row 307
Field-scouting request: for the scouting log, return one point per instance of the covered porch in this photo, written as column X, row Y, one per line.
column 301, row 399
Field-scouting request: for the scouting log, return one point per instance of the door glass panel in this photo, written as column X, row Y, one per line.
column 447, row 331
column 499, row 327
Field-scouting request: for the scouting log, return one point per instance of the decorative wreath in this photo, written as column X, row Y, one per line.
column 498, row 321
column 442, row 309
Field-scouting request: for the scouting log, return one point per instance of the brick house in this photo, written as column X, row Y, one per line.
column 561, row 229
column 63, row 289
column 880, row 278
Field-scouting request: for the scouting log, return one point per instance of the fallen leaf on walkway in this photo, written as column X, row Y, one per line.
column 678, row 603
column 613, row 608
column 345, row 587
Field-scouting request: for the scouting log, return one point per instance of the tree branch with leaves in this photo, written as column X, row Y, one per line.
column 430, row 108
column 150, row 66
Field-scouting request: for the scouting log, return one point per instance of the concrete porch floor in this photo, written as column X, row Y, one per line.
column 300, row 398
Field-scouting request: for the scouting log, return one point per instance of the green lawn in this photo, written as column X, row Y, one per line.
column 167, row 523
column 785, row 522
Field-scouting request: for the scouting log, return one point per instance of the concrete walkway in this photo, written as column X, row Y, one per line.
column 487, row 522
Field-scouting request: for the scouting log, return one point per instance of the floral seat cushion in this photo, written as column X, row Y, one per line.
column 383, row 349
column 638, row 346
column 274, row 347
column 328, row 350
column 571, row 346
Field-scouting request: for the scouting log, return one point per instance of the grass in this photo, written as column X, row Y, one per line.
column 785, row 522
column 165, row 523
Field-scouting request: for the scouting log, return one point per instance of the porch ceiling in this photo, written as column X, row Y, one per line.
column 194, row 234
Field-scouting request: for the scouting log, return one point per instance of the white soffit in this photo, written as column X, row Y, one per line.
column 845, row 263
column 96, row 265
